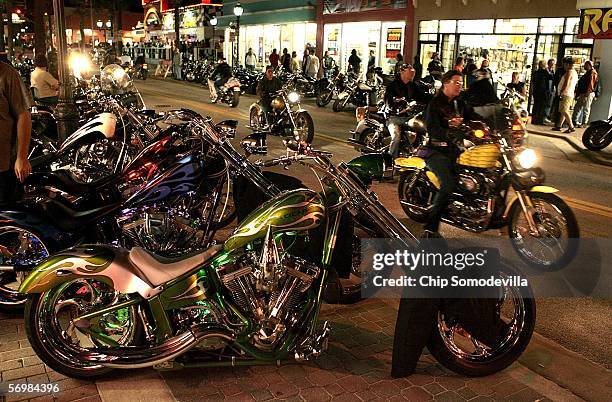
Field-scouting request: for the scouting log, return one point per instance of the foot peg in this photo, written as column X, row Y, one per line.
column 313, row 346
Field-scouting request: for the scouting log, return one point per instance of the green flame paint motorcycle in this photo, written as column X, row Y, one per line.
column 255, row 299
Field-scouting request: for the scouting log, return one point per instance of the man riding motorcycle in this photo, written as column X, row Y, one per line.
column 221, row 74
column 444, row 114
column 266, row 90
column 402, row 88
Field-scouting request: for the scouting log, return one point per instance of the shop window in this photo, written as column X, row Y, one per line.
column 575, row 39
column 515, row 26
column 448, row 26
column 571, row 25
column 428, row 37
column 428, row 26
column 333, row 40
column 551, row 25
column 448, row 51
column 475, row 26
column 392, row 42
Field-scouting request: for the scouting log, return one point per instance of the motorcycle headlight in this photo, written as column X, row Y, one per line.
column 527, row 158
column 293, row 97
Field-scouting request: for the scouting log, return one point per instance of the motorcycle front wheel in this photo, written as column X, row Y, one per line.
column 235, row 99
column 370, row 139
column 324, row 96
column 339, row 104
column 512, row 315
column 558, row 234
column 22, row 248
column 597, row 137
column 304, row 127
column 67, row 347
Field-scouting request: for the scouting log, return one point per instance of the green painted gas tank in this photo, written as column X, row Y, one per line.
column 295, row 210
column 370, row 166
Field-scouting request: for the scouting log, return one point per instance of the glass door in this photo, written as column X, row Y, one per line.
column 426, row 51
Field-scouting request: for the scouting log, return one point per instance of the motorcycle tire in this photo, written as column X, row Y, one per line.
column 323, row 97
column 420, row 196
column 235, row 99
column 309, row 122
column 339, row 105
column 573, row 232
column 595, row 132
column 10, row 299
column 56, row 359
column 456, row 361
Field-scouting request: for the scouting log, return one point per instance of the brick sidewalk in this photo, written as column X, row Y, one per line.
column 356, row 367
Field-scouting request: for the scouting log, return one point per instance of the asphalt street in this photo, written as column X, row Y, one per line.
column 578, row 323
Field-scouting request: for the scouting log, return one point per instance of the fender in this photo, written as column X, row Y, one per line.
column 107, row 264
column 255, row 105
column 411, row 163
column 300, row 110
column 101, row 127
column 535, row 189
column 54, row 238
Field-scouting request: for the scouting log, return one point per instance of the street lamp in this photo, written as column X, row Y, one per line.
column 213, row 22
column 238, row 10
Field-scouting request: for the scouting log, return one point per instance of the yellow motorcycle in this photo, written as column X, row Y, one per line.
column 498, row 186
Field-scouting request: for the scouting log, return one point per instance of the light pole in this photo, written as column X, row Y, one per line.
column 213, row 23
column 66, row 113
column 238, row 10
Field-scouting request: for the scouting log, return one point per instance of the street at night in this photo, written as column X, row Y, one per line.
column 302, row 200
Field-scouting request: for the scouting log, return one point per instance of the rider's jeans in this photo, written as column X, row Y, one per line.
column 393, row 124
column 444, row 167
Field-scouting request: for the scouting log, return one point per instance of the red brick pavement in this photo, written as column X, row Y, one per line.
column 355, row 368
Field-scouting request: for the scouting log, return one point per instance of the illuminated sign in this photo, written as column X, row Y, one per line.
column 595, row 23
column 165, row 5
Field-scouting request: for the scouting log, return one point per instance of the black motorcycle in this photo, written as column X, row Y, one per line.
column 229, row 93
column 286, row 118
column 248, row 80
column 169, row 200
column 598, row 135
column 356, row 92
column 328, row 89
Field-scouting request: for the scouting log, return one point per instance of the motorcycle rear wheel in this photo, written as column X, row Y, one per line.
column 235, row 99
column 64, row 347
column 367, row 137
column 418, row 196
column 594, row 137
column 456, row 349
column 339, row 105
column 17, row 245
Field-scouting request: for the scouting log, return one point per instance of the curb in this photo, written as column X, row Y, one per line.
column 592, row 156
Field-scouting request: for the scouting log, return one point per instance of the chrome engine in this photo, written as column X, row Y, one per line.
column 170, row 228
column 270, row 291
column 475, row 206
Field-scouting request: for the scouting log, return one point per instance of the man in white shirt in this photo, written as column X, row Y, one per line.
column 312, row 65
column 250, row 60
column 46, row 87
column 566, row 91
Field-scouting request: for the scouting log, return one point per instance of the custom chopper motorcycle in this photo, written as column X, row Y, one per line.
column 169, row 199
column 359, row 93
column 254, row 299
column 541, row 226
column 287, row 117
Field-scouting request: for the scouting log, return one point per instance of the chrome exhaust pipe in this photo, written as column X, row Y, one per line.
column 138, row 357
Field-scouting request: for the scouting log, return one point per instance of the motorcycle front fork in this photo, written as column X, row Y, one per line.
column 528, row 210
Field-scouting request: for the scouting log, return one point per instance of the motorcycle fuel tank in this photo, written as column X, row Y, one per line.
column 370, row 166
column 296, row 210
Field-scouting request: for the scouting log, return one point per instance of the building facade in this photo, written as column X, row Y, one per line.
column 267, row 25
column 382, row 26
column 513, row 34
column 193, row 19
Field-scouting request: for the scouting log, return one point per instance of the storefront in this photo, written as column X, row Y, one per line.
column 268, row 25
column 513, row 38
column 159, row 22
column 509, row 44
column 384, row 27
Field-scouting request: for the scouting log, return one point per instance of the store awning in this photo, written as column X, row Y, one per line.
column 301, row 14
column 582, row 4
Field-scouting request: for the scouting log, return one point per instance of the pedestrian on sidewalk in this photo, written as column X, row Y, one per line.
column 250, row 60
column 355, row 61
column 295, row 63
column 285, row 59
column 328, row 64
column 585, row 93
column 566, row 91
column 418, row 67
column 274, row 57
column 550, row 89
column 541, row 81
column 555, row 115
column 176, row 62
column 312, row 65
column 459, row 64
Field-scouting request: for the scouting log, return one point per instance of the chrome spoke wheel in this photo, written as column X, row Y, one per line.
column 20, row 249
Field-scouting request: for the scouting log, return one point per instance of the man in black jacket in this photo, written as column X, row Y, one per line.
column 542, row 81
column 398, row 93
column 445, row 112
column 221, row 74
column 266, row 90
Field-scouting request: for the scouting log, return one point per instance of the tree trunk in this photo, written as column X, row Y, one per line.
column 40, row 33
column 10, row 33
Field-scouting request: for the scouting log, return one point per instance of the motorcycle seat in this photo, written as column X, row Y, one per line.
column 377, row 116
column 158, row 270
